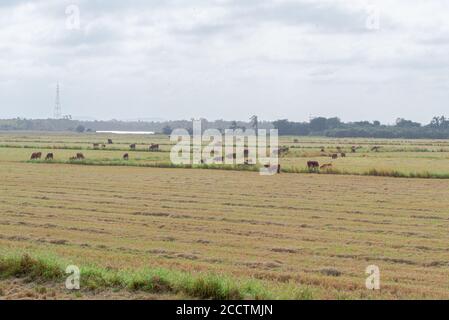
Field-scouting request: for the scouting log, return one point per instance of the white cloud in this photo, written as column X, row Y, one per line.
column 226, row 59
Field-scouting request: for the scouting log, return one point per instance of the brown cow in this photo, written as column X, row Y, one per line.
column 109, row 141
column 343, row 155
column 313, row 164
column 132, row 146
column 126, row 156
column 353, row 149
column 80, row 156
column 36, row 155
column 49, row 156
column 96, row 145
column 154, row 147
column 334, row 156
column 326, row 166
column 103, row 146
column 375, row 148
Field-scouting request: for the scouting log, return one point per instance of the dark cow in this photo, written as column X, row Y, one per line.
column 126, row 156
column 49, row 156
column 313, row 164
column 132, row 146
column 343, row 155
column 375, row 149
column 80, row 156
column 334, row 156
column 109, row 141
column 154, row 147
column 103, row 146
column 36, row 155
column 353, row 149
column 96, row 145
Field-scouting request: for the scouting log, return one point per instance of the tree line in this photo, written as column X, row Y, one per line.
column 438, row 128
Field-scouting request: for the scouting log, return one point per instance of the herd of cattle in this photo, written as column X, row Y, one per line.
column 311, row 165
column 79, row 156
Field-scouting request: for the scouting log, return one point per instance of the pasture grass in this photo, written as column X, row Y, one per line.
column 160, row 281
column 252, row 168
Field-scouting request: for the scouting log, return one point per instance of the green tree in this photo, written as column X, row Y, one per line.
column 80, row 128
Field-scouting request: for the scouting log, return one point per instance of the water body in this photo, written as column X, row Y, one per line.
column 126, row 132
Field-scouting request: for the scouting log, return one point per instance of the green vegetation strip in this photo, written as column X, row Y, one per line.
column 253, row 168
column 119, row 162
column 155, row 281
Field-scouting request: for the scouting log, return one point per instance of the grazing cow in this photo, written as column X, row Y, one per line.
column 96, row 145
column 80, row 156
column 375, row 149
column 132, row 146
column 343, row 155
column 126, row 156
column 36, row 155
column 334, row 156
column 326, row 166
column 284, row 149
column 49, row 156
column 109, row 141
column 154, row 147
column 313, row 164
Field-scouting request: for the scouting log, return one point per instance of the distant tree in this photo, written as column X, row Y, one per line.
column 234, row 125
column 333, row 123
column 80, row 128
column 376, row 123
column 402, row 123
column 318, row 124
column 439, row 122
column 255, row 123
column 167, row 130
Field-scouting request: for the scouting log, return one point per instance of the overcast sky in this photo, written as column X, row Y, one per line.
column 172, row 59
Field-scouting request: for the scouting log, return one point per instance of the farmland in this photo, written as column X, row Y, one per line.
column 292, row 236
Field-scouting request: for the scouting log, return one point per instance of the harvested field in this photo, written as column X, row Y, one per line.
column 313, row 232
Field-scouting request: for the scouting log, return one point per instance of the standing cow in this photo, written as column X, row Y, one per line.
column 36, row 155
column 49, row 156
column 313, row 164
